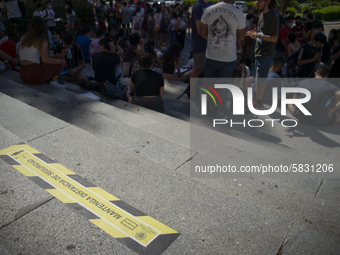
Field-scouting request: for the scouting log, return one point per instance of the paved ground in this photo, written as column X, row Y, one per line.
column 143, row 158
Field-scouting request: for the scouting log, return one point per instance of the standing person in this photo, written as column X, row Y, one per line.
column 198, row 43
column 11, row 7
column 126, row 14
column 224, row 27
column 119, row 15
column 36, row 66
column 283, row 37
column 300, row 30
column 266, row 37
column 71, row 25
column 137, row 21
column 49, row 15
column 157, row 19
column 39, row 10
column 172, row 28
column 181, row 26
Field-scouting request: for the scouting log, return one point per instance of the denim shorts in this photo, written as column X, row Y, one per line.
column 262, row 66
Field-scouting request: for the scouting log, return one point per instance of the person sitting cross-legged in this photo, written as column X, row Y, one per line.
column 321, row 94
column 147, row 86
column 74, row 59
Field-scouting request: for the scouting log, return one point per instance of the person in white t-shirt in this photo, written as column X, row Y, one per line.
column 224, row 26
column 39, row 11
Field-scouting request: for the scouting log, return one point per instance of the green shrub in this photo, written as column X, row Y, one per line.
column 328, row 13
column 250, row 5
column 306, row 7
column 292, row 11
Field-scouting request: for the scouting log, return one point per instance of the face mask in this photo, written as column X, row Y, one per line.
column 164, row 48
column 330, row 36
column 298, row 24
column 314, row 45
column 184, row 15
column 277, row 13
column 65, row 7
column 50, row 7
column 316, row 31
column 289, row 24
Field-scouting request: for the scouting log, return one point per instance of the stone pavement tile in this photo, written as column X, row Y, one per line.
column 26, row 121
column 330, row 190
column 56, row 229
column 301, row 240
column 18, row 194
column 4, row 250
column 7, row 138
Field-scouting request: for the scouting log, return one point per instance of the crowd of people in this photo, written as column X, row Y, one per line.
column 145, row 42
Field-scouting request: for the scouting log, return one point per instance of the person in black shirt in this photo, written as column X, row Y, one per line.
column 310, row 55
column 147, row 86
column 74, row 59
column 105, row 62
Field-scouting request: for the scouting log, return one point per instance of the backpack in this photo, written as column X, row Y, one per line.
column 293, row 69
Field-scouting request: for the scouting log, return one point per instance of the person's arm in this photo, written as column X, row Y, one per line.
column 199, row 24
column 161, row 92
column 178, row 67
column 203, row 31
column 266, row 38
column 241, row 34
column 44, row 56
column 131, row 92
column 335, row 56
column 316, row 57
column 289, row 51
column 335, row 107
column 5, row 56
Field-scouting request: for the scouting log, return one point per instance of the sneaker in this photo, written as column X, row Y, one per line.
column 257, row 105
column 58, row 85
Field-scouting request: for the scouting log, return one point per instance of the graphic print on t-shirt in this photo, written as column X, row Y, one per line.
column 220, row 29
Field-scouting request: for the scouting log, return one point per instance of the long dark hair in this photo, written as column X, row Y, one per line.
column 335, row 37
column 172, row 54
column 36, row 33
column 136, row 11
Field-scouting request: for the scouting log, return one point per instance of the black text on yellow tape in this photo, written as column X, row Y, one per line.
column 122, row 221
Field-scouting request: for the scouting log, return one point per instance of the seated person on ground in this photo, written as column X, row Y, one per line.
column 147, row 86
column 84, row 42
column 321, row 92
column 132, row 52
column 74, row 59
column 275, row 80
column 8, row 50
column 105, row 62
column 33, row 50
column 171, row 62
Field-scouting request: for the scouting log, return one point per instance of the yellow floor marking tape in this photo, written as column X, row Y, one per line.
column 106, row 211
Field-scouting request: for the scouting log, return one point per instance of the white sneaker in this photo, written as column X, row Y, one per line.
column 58, row 85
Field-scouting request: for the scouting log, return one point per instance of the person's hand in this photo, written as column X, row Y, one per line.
column 64, row 52
column 141, row 42
column 330, row 113
column 63, row 63
column 14, row 61
column 252, row 34
column 317, row 56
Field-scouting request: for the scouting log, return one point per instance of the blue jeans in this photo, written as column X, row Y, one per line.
column 262, row 66
column 218, row 69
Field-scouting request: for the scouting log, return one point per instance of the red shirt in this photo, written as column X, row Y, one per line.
column 299, row 33
column 284, row 35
